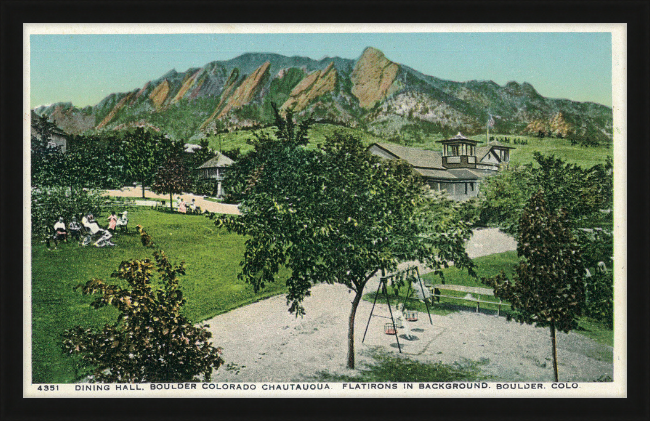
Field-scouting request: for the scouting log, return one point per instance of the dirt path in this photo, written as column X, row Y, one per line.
column 200, row 200
column 263, row 342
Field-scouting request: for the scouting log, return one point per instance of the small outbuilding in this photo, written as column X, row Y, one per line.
column 58, row 138
column 214, row 170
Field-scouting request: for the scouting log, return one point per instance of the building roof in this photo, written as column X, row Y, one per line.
column 481, row 151
column 436, row 174
column 218, row 161
column 459, row 138
column 429, row 163
column 464, row 174
column 500, row 145
column 418, row 158
column 454, row 174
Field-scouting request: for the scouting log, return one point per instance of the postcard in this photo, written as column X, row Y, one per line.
column 363, row 211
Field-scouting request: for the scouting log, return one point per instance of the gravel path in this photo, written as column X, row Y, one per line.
column 263, row 342
column 200, row 201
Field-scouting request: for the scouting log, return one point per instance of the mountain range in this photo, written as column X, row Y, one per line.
column 372, row 93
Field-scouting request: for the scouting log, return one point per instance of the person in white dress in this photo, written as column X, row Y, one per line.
column 400, row 322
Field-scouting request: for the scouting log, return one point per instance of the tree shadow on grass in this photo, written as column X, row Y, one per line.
column 390, row 367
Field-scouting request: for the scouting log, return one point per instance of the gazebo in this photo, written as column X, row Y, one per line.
column 214, row 169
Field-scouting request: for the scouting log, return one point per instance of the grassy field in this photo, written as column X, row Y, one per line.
column 317, row 134
column 522, row 154
column 394, row 368
column 210, row 286
column 486, row 266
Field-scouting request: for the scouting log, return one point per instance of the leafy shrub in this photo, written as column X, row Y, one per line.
column 599, row 303
column 150, row 341
column 48, row 203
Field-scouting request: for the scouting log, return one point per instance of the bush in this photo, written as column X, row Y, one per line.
column 599, row 303
column 48, row 203
column 150, row 341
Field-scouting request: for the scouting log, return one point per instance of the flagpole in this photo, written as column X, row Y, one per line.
column 487, row 135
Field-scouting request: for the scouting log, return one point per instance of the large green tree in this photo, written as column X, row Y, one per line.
column 548, row 287
column 172, row 177
column 337, row 214
column 151, row 341
column 585, row 194
column 144, row 152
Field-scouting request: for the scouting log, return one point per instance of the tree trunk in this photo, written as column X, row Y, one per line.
column 554, row 342
column 171, row 208
column 143, row 189
column 353, row 313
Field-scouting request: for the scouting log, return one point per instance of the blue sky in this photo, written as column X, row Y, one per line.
column 84, row 69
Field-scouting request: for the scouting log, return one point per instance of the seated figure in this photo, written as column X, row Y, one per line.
column 60, row 234
column 105, row 239
column 400, row 322
column 421, row 292
column 123, row 221
column 75, row 228
column 91, row 225
column 93, row 228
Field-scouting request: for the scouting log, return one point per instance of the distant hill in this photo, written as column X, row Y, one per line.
column 372, row 93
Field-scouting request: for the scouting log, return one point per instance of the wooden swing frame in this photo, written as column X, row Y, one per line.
column 383, row 284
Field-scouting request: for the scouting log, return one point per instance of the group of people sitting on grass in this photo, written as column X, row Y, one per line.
column 182, row 206
column 88, row 229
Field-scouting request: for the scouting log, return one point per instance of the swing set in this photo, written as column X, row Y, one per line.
column 397, row 279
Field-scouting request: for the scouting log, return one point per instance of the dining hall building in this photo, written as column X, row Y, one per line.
column 458, row 169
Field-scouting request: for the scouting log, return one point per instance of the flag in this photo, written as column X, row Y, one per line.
column 491, row 122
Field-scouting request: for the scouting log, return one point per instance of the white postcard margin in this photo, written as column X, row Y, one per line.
column 615, row 389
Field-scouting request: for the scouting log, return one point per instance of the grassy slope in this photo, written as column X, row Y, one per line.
column 317, row 135
column 488, row 266
column 211, row 287
column 522, row 154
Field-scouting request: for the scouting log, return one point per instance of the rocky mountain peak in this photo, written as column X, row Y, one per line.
column 372, row 77
column 384, row 97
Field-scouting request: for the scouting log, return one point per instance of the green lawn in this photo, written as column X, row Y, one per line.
column 582, row 156
column 210, row 285
column 317, row 134
column 486, row 266
column 522, row 154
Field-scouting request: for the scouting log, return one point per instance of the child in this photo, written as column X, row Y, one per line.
column 182, row 207
column 112, row 221
column 401, row 323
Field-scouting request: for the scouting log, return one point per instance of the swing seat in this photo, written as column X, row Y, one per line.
column 411, row 316
column 389, row 329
